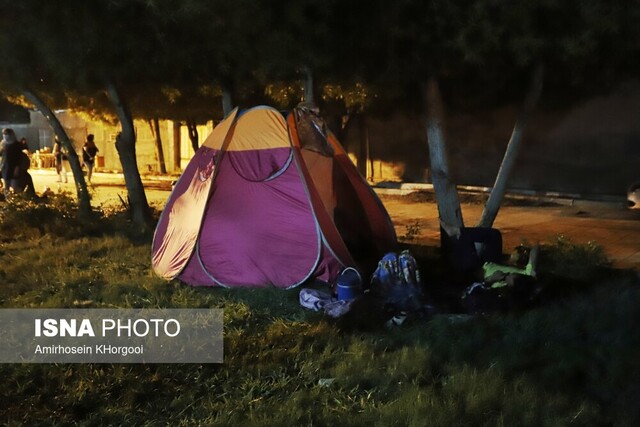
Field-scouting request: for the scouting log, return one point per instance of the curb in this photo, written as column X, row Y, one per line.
column 569, row 199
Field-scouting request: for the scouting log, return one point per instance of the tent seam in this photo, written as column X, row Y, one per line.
column 283, row 169
column 321, row 234
column 209, row 275
column 322, row 240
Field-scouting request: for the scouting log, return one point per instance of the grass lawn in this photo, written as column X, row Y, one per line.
column 570, row 361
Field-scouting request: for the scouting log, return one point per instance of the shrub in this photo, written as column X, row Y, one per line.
column 573, row 260
column 413, row 232
column 24, row 217
column 57, row 215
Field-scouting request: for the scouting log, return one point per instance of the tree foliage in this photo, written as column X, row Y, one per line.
column 481, row 50
column 175, row 60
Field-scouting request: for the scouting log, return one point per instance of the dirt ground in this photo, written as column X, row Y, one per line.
column 612, row 226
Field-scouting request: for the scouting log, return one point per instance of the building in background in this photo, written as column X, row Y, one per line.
column 33, row 126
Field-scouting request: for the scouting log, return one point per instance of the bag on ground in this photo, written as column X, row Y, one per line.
column 397, row 282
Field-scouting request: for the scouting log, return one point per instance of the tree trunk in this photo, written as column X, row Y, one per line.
column 227, row 100
column 372, row 166
column 155, row 130
column 192, row 127
column 309, row 96
column 341, row 124
column 513, row 147
column 177, row 142
column 368, row 153
column 363, row 149
column 84, row 200
column 446, row 192
column 126, row 146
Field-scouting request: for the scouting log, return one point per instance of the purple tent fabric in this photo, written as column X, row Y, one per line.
column 252, row 229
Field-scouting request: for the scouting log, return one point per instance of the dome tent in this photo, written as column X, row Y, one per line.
column 270, row 201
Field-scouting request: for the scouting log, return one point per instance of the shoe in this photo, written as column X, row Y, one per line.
column 533, row 259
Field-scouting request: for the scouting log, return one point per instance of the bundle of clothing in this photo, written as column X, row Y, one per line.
column 504, row 287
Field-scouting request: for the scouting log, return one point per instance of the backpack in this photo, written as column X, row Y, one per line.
column 25, row 161
column 397, row 282
column 12, row 157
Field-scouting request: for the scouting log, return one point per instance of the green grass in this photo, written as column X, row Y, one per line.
column 571, row 361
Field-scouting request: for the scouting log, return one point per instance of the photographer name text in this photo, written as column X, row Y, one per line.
column 123, row 351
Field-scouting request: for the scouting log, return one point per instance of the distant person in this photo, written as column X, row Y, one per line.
column 60, row 159
column 15, row 164
column 10, row 163
column 89, row 152
column 26, row 180
column 24, row 145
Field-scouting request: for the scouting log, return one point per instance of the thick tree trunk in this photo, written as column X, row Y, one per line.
column 155, row 130
column 500, row 186
column 126, row 146
column 192, row 127
column 177, row 142
column 84, row 200
column 445, row 189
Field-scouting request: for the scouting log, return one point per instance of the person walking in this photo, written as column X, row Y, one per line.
column 89, row 152
column 60, row 159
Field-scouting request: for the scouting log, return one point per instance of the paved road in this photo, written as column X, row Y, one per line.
column 610, row 225
column 106, row 188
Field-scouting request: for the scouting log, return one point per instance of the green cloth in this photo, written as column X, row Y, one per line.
column 491, row 268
